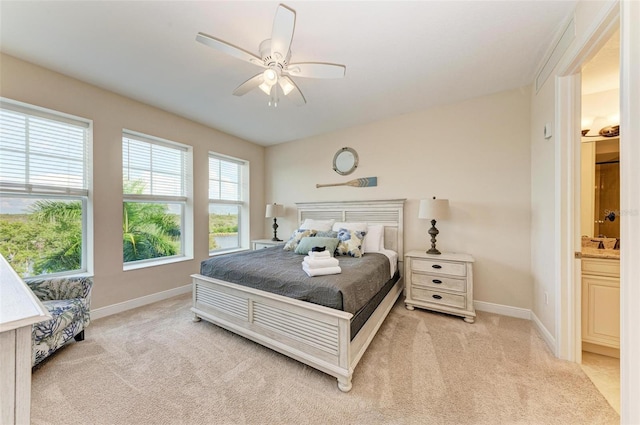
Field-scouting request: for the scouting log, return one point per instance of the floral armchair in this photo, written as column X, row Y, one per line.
column 68, row 300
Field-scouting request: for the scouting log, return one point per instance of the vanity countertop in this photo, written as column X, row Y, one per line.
column 588, row 252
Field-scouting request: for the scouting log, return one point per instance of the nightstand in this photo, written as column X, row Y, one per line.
column 441, row 283
column 265, row 243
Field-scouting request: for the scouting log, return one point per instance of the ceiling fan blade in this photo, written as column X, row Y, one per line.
column 248, row 85
column 316, row 70
column 282, row 32
column 229, row 49
column 291, row 90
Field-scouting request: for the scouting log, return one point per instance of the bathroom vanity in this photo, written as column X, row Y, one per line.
column 601, row 301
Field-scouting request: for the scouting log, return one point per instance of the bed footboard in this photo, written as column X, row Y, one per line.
column 312, row 334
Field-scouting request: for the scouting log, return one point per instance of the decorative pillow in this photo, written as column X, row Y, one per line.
column 307, row 243
column 352, row 226
column 329, row 234
column 295, row 238
column 374, row 241
column 350, row 242
column 320, row 225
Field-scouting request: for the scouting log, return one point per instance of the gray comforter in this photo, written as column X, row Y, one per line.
column 280, row 272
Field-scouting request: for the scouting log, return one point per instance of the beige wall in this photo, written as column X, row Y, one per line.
column 475, row 153
column 543, row 200
column 111, row 113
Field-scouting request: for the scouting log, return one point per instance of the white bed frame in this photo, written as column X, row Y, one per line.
column 312, row 334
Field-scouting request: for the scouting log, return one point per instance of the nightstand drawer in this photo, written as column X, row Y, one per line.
column 437, row 297
column 434, row 266
column 439, row 282
column 259, row 245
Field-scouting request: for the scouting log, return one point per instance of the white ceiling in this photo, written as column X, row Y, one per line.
column 400, row 56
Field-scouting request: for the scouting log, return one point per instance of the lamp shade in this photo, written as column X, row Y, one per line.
column 274, row 210
column 433, row 209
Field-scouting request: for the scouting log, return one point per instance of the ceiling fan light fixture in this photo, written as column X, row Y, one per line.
column 275, row 54
column 265, row 88
column 270, row 77
column 286, row 86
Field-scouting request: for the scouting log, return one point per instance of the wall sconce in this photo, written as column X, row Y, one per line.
column 603, row 126
column 274, row 210
column 433, row 209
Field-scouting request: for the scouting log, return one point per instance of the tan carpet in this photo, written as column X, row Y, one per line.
column 153, row 365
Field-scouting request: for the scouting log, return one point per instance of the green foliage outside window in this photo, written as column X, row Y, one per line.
column 47, row 239
column 149, row 230
column 221, row 225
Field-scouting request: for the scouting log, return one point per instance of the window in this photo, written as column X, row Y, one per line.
column 228, row 204
column 44, row 188
column 156, row 210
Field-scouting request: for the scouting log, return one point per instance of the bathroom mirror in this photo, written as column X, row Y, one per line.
column 345, row 161
column 600, row 197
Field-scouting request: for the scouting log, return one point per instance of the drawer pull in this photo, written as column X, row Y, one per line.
column 437, row 266
column 437, row 297
column 438, row 281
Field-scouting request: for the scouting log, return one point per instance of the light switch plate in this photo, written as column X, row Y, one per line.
column 548, row 131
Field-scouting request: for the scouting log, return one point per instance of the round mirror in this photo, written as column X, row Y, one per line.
column 345, row 161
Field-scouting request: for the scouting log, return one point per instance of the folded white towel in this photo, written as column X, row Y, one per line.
column 323, row 254
column 313, row 263
column 321, row 272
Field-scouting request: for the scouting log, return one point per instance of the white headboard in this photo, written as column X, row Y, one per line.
column 389, row 213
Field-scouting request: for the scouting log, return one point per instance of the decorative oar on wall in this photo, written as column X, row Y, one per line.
column 363, row 182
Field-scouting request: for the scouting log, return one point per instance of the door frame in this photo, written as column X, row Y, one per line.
column 568, row 171
column 624, row 14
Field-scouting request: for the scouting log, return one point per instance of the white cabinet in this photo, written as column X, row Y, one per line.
column 601, row 305
column 440, row 282
column 19, row 310
column 265, row 243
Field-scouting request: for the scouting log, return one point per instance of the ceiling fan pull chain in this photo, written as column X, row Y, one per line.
column 273, row 100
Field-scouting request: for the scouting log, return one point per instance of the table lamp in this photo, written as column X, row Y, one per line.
column 433, row 209
column 274, row 210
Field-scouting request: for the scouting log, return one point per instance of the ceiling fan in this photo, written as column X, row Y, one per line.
column 274, row 58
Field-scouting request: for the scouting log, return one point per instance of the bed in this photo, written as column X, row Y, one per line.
column 329, row 339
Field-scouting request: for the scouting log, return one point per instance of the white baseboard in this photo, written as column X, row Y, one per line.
column 521, row 313
column 544, row 333
column 505, row 310
column 138, row 302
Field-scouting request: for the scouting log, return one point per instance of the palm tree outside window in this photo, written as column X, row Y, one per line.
column 156, row 199
column 44, row 190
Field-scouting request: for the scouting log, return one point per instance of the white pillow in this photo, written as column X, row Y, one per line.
column 349, row 226
column 319, row 225
column 374, row 240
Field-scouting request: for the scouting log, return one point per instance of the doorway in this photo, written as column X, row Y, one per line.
column 610, row 16
column 599, row 154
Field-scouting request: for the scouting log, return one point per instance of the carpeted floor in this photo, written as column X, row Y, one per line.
column 153, row 365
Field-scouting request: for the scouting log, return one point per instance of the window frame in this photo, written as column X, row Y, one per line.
column 42, row 192
column 185, row 201
column 242, row 203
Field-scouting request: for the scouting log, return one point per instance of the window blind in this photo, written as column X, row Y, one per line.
column 224, row 179
column 40, row 154
column 153, row 168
